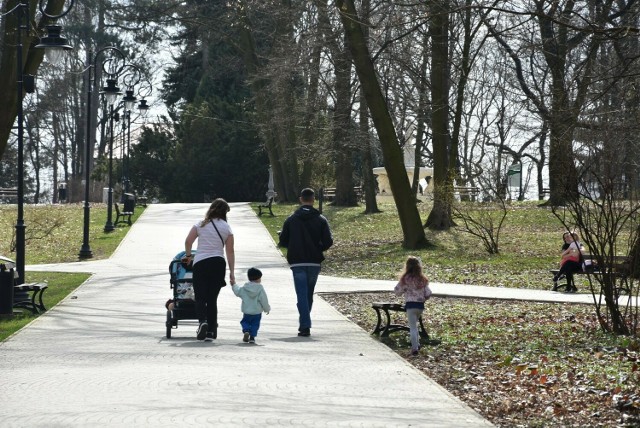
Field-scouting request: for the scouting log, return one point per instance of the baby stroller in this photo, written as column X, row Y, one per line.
column 184, row 306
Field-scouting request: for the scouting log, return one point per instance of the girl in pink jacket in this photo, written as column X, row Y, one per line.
column 414, row 285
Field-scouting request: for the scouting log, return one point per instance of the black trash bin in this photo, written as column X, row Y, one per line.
column 129, row 202
column 6, row 291
column 62, row 193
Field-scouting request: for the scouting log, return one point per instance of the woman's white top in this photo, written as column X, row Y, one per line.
column 209, row 243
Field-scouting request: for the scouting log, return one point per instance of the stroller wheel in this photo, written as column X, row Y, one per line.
column 169, row 324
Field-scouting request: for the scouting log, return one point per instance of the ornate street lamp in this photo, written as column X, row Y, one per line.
column 129, row 102
column 130, row 79
column 111, row 92
column 85, row 250
column 143, row 108
column 22, row 11
column 54, row 44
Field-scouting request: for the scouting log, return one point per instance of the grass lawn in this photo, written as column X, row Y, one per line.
column 54, row 234
column 370, row 246
column 60, row 286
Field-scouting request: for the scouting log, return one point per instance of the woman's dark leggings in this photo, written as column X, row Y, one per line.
column 568, row 269
column 208, row 279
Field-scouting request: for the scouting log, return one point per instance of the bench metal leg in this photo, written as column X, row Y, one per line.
column 378, row 328
column 384, row 327
column 260, row 207
column 387, row 327
column 423, row 331
column 40, row 304
column 31, row 303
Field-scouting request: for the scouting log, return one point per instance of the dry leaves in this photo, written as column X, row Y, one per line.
column 521, row 363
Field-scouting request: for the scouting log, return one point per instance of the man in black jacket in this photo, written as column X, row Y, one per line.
column 306, row 234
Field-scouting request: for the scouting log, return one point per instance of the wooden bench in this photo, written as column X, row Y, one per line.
column 266, row 205
column 545, row 193
column 471, row 193
column 384, row 326
column 34, row 292
column 591, row 267
column 328, row 193
column 8, row 193
column 122, row 216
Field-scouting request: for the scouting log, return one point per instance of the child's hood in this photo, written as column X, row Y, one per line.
column 252, row 288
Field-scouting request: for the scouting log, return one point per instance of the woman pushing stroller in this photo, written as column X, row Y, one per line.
column 215, row 238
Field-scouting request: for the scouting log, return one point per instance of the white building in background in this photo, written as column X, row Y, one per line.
column 425, row 175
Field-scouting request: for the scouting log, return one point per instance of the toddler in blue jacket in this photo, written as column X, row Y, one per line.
column 254, row 303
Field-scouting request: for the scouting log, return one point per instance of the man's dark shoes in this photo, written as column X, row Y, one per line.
column 304, row 332
column 210, row 336
column 202, row 331
column 252, row 339
column 245, row 338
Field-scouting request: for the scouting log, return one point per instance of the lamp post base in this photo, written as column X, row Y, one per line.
column 109, row 227
column 85, row 253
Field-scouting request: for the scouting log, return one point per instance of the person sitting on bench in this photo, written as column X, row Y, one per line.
column 570, row 262
column 415, row 287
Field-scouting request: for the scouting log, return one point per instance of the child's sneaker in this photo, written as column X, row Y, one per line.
column 245, row 338
column 252, row 339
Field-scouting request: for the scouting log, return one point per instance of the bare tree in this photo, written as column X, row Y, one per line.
column 566, row 38
column 410, row 222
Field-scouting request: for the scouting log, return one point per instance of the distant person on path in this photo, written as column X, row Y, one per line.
column 306, row 235
column 414, row 285
column 254, row 303
column 570, row 261
column 215, row 237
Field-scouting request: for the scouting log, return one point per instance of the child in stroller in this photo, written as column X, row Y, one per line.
column 182, row 305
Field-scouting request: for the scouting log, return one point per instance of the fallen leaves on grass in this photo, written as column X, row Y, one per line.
column 522, row 364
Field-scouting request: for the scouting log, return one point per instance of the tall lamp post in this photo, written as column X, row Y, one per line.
column 111, row 92
column 85, row 250
column 143, row 110
column 129, row 103
column 53, row 42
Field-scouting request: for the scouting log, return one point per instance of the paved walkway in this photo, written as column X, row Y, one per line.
column 100, row 358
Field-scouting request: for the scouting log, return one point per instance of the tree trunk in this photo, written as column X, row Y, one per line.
column 413, row 233
column 32, row 58
column 345, row 196
column 440, row 216
column 369, row 185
